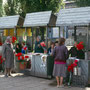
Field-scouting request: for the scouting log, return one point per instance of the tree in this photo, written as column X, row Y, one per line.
column 10, row 7
column 22, row 7
column 27, row 6
column 83, row 3
column 0, row 7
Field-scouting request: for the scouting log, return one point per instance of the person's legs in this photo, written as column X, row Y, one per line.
column 6, row 72
column 57, row 78
column 9, row 72
column 61, row 81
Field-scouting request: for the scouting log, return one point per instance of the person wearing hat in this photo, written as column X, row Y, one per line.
column 8, row 56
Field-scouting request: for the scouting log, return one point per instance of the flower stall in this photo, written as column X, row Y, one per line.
column 8, row 27
column 41, row 63
column 75, row 23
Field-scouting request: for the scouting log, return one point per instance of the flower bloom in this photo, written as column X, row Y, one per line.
column 21, row 58
column 25, row 48
column 19, row 54
column 42, row 44
column 26, row 56
column 80, row 46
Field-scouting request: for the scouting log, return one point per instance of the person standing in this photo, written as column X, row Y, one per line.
column 50, row 50
column 61, row 55
column 8, row 56
column 38, row 47
column 73, row 51
column 18, row 48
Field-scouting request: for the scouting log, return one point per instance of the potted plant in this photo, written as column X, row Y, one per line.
column 21, row 60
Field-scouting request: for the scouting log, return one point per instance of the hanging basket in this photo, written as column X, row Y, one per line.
column 22, row 65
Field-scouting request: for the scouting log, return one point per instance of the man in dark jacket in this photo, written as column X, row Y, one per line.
column 73, row 51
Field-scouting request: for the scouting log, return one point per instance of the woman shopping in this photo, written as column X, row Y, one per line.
column 61, row 55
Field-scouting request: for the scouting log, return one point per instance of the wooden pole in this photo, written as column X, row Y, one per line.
column 15, row 32
column 32, row 38
column 47, row 37
column 59, row 32
column 75, row 36
column 88, row 37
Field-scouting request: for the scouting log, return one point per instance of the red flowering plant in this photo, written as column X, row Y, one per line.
column 25, row 48
column 21, row 57
column 14, row 39
column 71, row 66
column 43, row 46
column 70, row 69
column 80, row 46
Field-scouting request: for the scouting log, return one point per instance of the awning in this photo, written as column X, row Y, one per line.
column 11, row 22
column 74, row 17
column 36, row 19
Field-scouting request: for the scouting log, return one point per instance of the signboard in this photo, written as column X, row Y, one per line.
column 55, row 32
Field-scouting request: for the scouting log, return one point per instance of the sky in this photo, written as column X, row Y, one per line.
column 4, row 1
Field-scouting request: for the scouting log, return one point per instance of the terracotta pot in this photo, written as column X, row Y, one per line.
column 22, row 66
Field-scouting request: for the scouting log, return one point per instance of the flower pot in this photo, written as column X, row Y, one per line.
column 22, row 65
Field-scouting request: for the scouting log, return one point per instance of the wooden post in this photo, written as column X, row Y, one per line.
column 59, row 32
column 88, row 37
column 32, row 38
column 15, row 32
column 75, row 36
column 47, row 37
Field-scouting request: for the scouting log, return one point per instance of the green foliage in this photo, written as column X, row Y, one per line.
column 10, row 7
column 22, row 7
column 83, row 3
column 0, row 7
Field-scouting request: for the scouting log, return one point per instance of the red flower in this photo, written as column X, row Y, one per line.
column 76, row 61
column 74, row 64
column 80, row 46
column 14, row 39
column 69, row 68
column 42, row 44
column 18, row 58
column 26, row 56
column 21, row 58
column 19, row 54
column 25, row 48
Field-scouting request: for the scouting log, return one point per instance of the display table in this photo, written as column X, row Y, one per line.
column 41, row 66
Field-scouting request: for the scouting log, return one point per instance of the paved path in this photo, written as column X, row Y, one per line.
column 21, row 82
